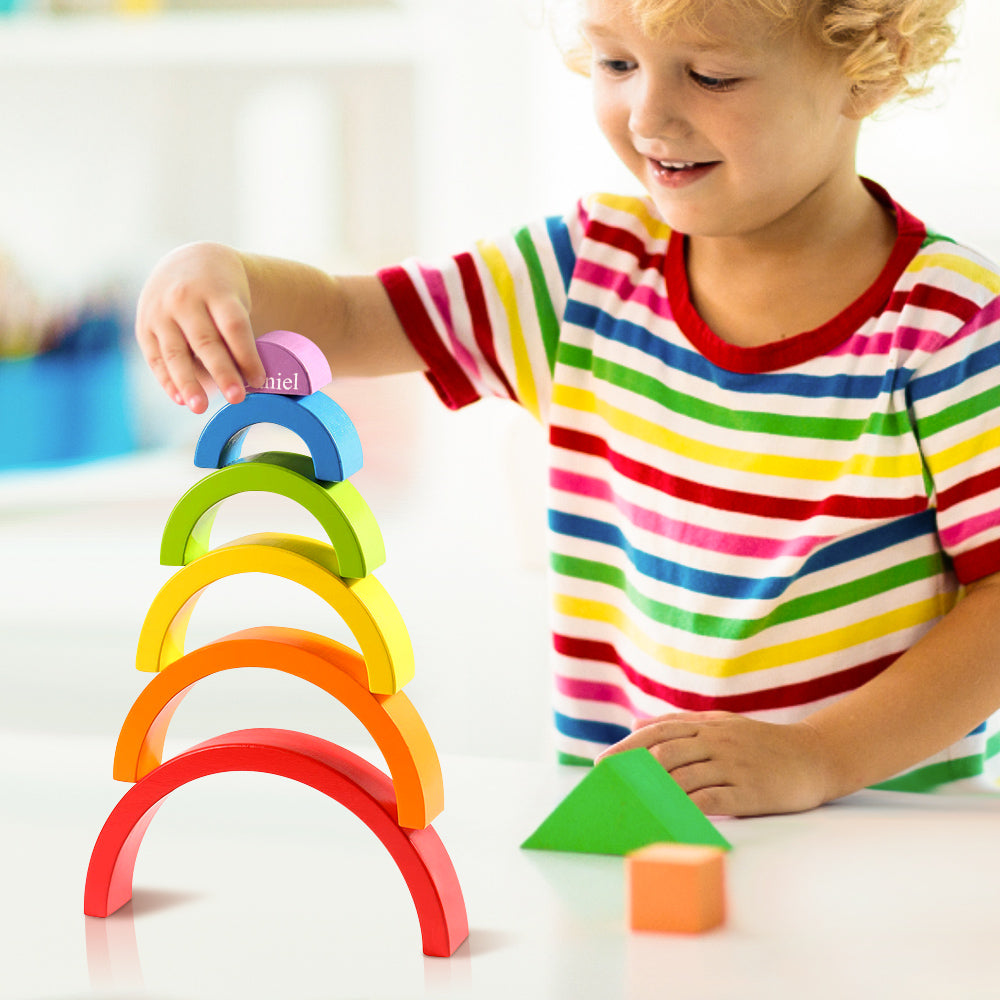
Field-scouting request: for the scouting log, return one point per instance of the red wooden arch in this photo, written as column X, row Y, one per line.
column 419, row 854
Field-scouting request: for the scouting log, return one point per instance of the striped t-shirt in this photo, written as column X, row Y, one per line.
column 754, row 530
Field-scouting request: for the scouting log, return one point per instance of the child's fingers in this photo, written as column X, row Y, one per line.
column 193, row 325
column 653, row 733
column 174, row 361
column 713, row 715
column 652, row 720
column 688, row 760
column 159, row 369
column 233, row 324
column 149, row 345
column 699, row 775
column 207, row 345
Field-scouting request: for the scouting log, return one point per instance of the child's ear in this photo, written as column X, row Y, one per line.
column 865, row 99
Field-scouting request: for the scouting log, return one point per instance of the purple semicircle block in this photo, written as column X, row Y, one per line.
column 293, row 364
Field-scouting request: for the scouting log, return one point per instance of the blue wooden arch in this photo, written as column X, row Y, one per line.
column 322, row 424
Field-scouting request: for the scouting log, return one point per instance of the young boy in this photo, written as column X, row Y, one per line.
column 771, row 399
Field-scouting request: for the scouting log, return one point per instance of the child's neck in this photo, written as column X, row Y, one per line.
column 771, row 286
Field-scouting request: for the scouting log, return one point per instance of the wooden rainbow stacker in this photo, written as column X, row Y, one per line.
column 399, row 807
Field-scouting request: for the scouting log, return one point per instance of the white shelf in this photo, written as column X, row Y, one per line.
column 137, row 133
column 175, row 40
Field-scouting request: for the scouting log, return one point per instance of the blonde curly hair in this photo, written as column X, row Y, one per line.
column 888, row 45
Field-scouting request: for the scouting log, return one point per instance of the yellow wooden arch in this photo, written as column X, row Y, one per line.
column 363, row 603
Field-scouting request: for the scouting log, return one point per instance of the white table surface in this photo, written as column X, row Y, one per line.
column 251, row 886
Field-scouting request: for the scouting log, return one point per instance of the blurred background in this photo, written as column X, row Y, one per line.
column 348, row 134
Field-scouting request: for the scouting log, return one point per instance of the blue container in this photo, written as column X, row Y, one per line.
column 70, row 404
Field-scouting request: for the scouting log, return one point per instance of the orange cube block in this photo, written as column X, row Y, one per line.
column 676, row 887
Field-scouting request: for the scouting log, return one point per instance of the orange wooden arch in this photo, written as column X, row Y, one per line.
column 391, row 719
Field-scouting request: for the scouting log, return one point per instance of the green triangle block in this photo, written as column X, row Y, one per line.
column 626, row 802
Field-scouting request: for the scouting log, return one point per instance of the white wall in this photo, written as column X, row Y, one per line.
column 465, row 123
column 939, row 155
column 469, row 125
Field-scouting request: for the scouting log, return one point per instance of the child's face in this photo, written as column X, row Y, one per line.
column 734, row 133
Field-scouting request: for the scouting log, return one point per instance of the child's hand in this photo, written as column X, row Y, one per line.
column 193, row 325
column 734, row 766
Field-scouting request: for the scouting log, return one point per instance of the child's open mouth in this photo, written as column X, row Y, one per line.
column 677, row 173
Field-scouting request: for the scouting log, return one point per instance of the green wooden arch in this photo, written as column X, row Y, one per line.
column 338, row 507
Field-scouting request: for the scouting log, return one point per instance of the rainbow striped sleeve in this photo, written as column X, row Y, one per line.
column 487, row 322
column 955, row 399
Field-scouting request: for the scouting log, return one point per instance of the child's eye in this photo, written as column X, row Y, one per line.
column 718, row 84
column 615, row 67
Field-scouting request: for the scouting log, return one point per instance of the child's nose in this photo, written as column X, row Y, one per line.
column 656, row 114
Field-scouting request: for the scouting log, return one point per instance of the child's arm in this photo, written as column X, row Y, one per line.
column 204, row 304
column 930, row 697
